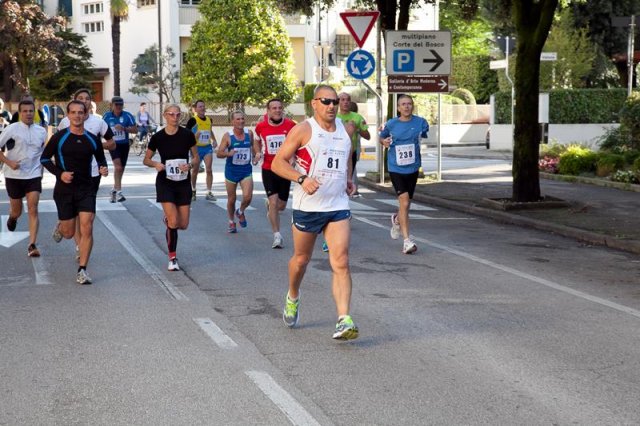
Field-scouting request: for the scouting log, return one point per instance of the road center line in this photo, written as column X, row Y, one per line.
column 42, row 275
column 283, row 400
column 146, row 264
column 510, row 270
column 215, row 333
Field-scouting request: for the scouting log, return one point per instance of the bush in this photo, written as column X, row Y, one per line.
column 473, row 72
column 625, row 176
column 552, row 150
column 615, row 140
column 607, row 163
column 577, row 160
column 630, row 156
column 630, row 119
column 635, row 167
column 548, row 164
column 465, row 95
column 572, row 106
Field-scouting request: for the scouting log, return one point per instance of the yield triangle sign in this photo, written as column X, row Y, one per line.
column 360, row 24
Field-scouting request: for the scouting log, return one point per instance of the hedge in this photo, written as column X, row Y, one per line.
column 473, row 73
column 576, row 106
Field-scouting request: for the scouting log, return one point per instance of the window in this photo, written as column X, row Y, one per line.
column 143, row 3
column 93, row 27
column 190, row 2
column 92, row 8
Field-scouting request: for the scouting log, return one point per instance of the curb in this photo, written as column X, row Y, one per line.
column 591, row 181
column 513, row 219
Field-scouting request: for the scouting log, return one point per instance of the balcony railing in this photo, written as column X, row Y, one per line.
column 189, row 15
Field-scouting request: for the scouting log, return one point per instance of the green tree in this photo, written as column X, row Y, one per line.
column 119, row 11
column 145, row 77
column 29, row 41
column 611, row 41
column 244, row 60
column 576, row 55
column 74, row 72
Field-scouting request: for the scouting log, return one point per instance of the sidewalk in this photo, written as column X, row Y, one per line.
column 597, row 215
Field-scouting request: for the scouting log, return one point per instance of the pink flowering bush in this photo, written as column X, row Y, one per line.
column 548, row 164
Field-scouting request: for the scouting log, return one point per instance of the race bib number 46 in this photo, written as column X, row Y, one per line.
column 172, row 167
column 274, row 142
column 405, row 154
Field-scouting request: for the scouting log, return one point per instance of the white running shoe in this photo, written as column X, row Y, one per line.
column 210, row 196
column 82, row 277
column 173, row 265
column 409, row 246
column 277, row 242
column 395, row 227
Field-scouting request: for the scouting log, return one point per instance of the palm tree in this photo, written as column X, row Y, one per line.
column 119, row 12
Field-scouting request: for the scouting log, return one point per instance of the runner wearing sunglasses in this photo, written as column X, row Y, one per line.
column 321, row 150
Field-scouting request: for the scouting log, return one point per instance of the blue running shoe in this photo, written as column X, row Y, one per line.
column 232, row 228
column 291, row 313
column 346, row 329
column 242, row 220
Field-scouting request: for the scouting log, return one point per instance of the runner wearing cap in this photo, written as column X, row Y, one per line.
column 121, row 123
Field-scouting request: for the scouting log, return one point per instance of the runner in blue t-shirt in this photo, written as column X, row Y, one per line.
column 121, row 123
column 402, row 136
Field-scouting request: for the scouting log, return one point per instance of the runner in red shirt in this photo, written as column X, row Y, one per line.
column 272, row 131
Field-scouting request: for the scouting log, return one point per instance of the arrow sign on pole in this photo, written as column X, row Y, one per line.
column 359, row 24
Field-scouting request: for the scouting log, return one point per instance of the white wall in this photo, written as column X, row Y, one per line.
column 587, row 134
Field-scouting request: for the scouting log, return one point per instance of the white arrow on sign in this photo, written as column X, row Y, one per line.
column 442, row 84
column 359, row 59
column 8, row 238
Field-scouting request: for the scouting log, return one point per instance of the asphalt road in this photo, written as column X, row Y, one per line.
column 485, row 324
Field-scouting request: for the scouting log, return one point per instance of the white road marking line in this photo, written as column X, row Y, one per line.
column 413, row 216
column 524, row 275
column 155, row 204
column 102, row 204
column 222, row 203
column 283, row 400
column 358, row 206
column 414, row 206
column 215, row 333
column 42, row 275
column 139, row 257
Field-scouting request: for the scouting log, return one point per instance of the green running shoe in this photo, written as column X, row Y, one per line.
column 291, row 314
column 346, row 329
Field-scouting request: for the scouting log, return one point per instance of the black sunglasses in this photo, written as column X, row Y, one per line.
column 327, row 101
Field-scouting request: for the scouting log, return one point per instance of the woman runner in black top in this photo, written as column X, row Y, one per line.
column 173, row 182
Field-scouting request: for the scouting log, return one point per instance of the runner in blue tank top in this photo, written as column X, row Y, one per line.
column 241, row 151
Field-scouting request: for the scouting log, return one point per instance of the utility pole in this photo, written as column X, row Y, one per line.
column 160, row 91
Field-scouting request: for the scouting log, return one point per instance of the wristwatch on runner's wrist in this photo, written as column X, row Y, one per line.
column 301, row 179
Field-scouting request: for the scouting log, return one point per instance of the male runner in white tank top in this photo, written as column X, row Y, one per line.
column 321, row 149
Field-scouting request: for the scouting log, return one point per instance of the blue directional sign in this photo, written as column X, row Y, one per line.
column 360, row 64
